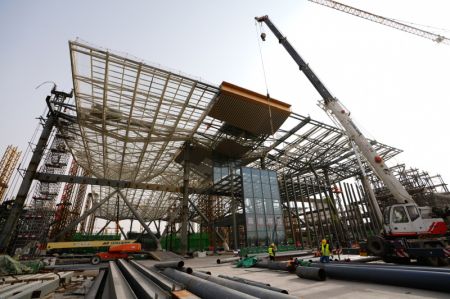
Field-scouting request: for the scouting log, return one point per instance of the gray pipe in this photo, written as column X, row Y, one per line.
column 174, row 264
column 284, row 266
column 387, row 266
column 311, row 273
column 203, row 288
column 436, row 281
column 248, row 289
column 228, row 260
column 254, row 283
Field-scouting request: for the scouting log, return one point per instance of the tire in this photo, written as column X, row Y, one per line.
column 443, row 261
column 432, row 261
column 95, row 260
column 375, row 244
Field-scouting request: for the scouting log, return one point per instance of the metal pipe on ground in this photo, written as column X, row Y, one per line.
column 173, row 264
column 284, row 266
column 437, row 281
column 244, row 288
column 387, row 266
column 203, row 288
column 254, row 283
column 142, row 286
column 311, row 273
column 206, row 272
column 228, row 260
column 161, row 280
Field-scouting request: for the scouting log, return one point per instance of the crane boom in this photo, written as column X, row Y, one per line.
column 336, row 109
column 382, row 20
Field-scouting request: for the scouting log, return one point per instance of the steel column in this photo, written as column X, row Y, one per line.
column 141, row 220
column 304, row 211
column 16, row 210
column 185, row 201
column 74, row 223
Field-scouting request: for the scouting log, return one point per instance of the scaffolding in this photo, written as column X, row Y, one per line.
column 7, row 166
column 426, row 189
column 35, row 223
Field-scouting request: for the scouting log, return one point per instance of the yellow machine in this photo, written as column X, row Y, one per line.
column 86, row 244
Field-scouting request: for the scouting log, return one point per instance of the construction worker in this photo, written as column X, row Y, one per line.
column 272, row 250
column 325, row 252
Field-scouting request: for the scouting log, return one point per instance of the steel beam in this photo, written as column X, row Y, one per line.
column 117, row 286
column 203, row 288
column 74, row 223
column 121, row 184
column 142, row 286
column 141, row 220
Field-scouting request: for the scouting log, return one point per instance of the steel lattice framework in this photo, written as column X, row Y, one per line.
column 131, row 121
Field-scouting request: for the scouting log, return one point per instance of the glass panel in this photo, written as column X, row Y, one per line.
column 413, row 213
column 400, row 215
column 265, row 177
column 268, row 204
column 259, row 207
column 257, row 190
column 266, row 191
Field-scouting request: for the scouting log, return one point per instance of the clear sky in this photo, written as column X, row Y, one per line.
column 395, row 84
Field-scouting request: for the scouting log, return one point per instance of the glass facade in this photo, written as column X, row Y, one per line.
column 263, row 213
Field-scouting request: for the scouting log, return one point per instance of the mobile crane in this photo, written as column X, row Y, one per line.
column 409, row 231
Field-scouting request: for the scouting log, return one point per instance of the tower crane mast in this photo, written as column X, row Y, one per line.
column 383, row 20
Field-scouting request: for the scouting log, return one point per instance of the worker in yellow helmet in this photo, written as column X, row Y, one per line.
column 272, row 250
column 325, row 252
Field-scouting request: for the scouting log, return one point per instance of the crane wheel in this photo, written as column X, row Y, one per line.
column 432, row 261
column 375, row 244
column 443, row 261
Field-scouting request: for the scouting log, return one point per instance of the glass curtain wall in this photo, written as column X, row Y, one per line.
column 263, row 212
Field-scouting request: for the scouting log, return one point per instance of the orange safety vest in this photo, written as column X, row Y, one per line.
column 325, row 250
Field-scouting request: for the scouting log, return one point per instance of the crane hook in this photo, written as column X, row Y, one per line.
column 263, row 36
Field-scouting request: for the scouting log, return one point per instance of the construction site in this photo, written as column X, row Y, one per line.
column 143, row 182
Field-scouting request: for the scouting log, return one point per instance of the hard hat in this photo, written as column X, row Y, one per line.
column 272, row 244
column 324, row 241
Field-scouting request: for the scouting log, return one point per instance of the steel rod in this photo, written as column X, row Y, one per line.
column 204, row 289
column 244, row 288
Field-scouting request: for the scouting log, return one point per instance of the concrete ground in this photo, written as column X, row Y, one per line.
column 307, row 288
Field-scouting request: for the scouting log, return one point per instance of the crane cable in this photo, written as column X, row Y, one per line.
column 262, row 35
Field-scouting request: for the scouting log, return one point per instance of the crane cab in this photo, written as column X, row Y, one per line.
column 408, row 220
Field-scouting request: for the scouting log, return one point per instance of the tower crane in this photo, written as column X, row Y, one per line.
column 383, row 20
column 409, row 231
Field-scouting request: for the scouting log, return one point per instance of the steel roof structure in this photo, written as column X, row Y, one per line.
column 133, row 121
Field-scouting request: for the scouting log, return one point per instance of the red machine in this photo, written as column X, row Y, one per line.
column 123, row 251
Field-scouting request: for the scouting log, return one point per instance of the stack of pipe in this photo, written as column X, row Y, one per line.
column 252, row 290
column 437, row 279
column 203, row 288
